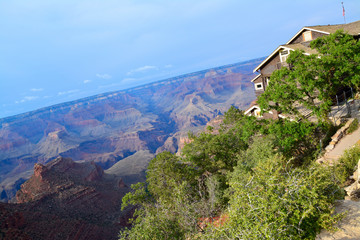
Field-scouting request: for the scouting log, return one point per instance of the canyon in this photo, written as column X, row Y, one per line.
column 122, row 130
column 65, row 168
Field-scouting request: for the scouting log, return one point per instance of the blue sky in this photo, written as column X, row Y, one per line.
column 57, row 51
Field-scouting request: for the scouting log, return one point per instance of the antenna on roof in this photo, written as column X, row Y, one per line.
column 342, row 4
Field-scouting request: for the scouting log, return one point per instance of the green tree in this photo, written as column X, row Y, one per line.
column 339, row 63
column 347, row 164
column 295, row 139
column 173, row 199
column 215, row 153
column 174, row 217
column 276, row 201
column 165, row 172
column 312, row 80
column 213, row 171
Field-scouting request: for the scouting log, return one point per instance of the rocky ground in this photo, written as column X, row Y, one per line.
column 349, row 226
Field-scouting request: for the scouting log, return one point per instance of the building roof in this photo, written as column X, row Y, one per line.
column 304, row 46
column 257, row 76
column 301, row 46
column 250, row 109
column 351, row 28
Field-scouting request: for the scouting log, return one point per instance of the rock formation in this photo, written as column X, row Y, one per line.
column 66, row 200
column 353, row 191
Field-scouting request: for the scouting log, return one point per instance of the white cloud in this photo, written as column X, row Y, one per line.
column 168, row 66
column 104, row 76
column 37, row 89
column 87, row 81
column 26, row 99
column 68, row 92
column 142, row 69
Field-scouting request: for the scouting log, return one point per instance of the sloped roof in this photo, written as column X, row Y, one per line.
column 301, row 46
column 351, row 28
column 295, row 46
column 252, row 106
column 257, row 76
column 247, row 111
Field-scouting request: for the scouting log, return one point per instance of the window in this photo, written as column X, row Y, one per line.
column 307, row 36
column 258, row 86
column 283, row 55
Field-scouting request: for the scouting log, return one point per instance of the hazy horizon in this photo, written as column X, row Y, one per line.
column 128, row 88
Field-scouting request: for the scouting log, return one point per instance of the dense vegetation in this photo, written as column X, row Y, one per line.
column 313, row 80
column 252, row 179
column 353, row 126
column 257, row 173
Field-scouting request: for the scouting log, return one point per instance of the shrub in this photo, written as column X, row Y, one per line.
column 276, row 202
column 253, row 171
column 347, row 164
column 353, row 126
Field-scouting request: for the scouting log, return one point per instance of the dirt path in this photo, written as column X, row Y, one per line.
column 349, row 227
column 348, row 141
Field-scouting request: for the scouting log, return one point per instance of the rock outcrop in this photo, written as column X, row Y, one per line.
column 66, row 200
column 338, row 135
column 353, row 191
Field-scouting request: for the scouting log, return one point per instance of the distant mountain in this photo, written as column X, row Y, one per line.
column 121, row 131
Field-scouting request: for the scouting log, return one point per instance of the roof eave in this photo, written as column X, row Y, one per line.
column 255, row 78
column 305, row 28
column 251, row 108
column 295, row 36
column 270, row 56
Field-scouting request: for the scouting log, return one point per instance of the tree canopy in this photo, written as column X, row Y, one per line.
column 311, row 81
